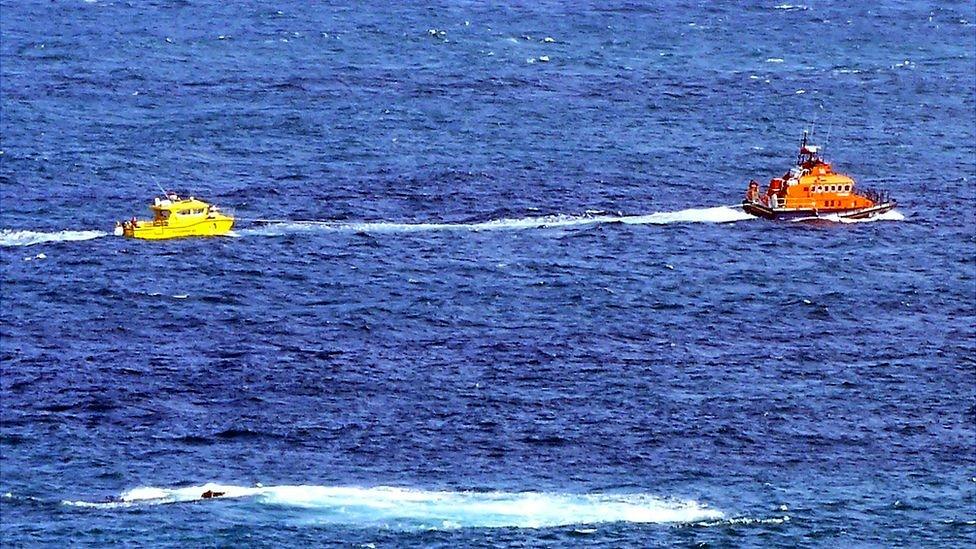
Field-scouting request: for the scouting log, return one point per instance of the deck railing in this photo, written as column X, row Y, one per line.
column 878, row 196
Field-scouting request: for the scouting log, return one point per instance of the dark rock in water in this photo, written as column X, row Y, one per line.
column 210, row 494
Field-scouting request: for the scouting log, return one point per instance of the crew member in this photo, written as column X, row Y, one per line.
column 752, row 195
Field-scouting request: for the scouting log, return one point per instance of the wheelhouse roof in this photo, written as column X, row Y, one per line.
column 184, row 204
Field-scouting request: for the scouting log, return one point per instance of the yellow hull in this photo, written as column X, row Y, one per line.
column 148, row 230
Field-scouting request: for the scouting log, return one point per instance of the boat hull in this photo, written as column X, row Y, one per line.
column 147, row 230
column 794, row 214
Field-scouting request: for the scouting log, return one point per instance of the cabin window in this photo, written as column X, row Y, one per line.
column 184, row 212
column 847, row 187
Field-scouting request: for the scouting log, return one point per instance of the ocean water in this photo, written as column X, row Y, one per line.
column 505, row 296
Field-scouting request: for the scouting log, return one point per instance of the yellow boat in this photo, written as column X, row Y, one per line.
column 175, row 217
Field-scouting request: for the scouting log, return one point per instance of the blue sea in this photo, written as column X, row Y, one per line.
column 489, row 284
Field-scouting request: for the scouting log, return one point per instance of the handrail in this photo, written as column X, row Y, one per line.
column 878, row 196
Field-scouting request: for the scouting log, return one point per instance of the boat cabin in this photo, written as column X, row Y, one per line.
column 177, row 209
column 812, row 184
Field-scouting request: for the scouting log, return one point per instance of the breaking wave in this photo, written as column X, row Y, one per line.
column 420, row 509
column 720, row 214
column 891, row 215
column 27, row 238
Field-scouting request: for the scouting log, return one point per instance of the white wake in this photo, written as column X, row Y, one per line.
column 890, row 215
column 27, row 238
column 719, row 214
column 408, row 508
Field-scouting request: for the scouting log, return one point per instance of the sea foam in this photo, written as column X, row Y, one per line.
column 890, row 215
column 720, row 214
column 26, row 238
column 406, row 508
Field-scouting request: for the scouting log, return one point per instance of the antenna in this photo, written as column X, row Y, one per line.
column 823, row 148
column 830, row 124
column 816, row 116
column 158, row 185
column 803, row 144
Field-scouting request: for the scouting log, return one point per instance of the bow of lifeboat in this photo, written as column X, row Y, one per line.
column 812, row 189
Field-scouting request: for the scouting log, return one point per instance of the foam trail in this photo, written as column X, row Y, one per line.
column 405, row 508
column 890, row 215
column 720, row 214
column 27, row 238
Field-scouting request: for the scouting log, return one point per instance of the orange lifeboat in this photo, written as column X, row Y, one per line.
column 812, row 189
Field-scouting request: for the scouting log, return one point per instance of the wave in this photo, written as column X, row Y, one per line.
column 27, row 238
column 890, row 215
column 744, row 520
column 720, row 214
column 420, row 509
